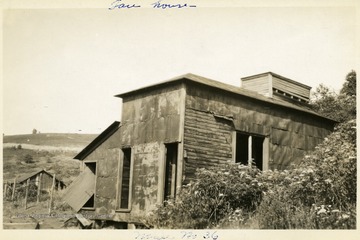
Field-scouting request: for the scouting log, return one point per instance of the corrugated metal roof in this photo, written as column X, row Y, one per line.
column 98, row 140
column 81, row 190
column 222, row 86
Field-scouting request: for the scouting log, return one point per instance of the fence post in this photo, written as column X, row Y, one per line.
column 13, row 192
column 5, row 190
column 27, row 192
column 51, row 193
column 39, row 189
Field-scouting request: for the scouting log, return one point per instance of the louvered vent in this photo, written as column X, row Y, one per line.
column 278, row 87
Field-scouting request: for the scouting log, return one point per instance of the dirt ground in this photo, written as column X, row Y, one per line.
column 35, row 216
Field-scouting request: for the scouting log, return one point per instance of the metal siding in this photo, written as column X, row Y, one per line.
column 207, row 141
column 157, row 117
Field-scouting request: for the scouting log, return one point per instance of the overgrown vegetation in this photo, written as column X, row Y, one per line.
column 340, row 107
column 320, row 193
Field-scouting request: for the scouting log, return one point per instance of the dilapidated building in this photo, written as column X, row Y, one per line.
column 170, row 129
column 41, row 178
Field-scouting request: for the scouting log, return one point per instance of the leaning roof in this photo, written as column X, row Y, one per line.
column 189, row 77
column 109, row 131
column 24, row 177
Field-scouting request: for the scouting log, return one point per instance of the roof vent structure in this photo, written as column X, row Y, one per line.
column 278, row 87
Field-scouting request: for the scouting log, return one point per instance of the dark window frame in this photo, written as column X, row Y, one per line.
column 125, row 170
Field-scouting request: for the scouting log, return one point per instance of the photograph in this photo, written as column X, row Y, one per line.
column 180, row 119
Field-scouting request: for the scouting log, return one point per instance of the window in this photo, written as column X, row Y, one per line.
column 250, row 150
column 125, row 179
column 170, row 170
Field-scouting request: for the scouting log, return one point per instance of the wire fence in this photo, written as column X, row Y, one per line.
column 26, row 194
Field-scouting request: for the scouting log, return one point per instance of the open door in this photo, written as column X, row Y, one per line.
column 81, row 192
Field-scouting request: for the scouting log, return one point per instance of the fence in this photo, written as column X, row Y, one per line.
column 28, row 194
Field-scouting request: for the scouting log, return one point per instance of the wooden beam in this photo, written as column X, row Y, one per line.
column 51, row 194
column 27, row 192
column 250, row 150
column 39, row 189
column 13, row 192
column 173, row 176
column 5, row 189
column 82, row 220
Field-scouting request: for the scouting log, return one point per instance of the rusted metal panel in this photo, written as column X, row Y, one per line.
column 298, row 141
column 157, row 117
column 280, row 137
column 146, row 175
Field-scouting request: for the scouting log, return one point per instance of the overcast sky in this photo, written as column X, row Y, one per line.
column 62, row 67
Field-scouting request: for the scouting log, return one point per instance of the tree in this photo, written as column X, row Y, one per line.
column 340, row 107
column 34, row 131
column 349, row 87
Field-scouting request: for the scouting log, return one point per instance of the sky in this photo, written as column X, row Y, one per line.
column 63, row 66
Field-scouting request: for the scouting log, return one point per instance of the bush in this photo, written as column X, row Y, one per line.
column 320, row 193
column 233, row 187
column 28, row 158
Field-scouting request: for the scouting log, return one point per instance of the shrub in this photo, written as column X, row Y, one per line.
column 321, row 192
column 232, row 187
column 28, row 158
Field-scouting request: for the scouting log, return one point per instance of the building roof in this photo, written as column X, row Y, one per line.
column 225, row 87
column 98, row 140
column 24, row 177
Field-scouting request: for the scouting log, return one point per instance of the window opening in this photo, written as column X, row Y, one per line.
column 125, row 183
column 249, row 150
column 170, row 170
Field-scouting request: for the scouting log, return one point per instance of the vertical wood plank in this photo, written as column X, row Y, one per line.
column 173, row 176
column 51, row 194
column 250, row 151
column 27, row 192
column 13, row 192
column 266, row 154
column 162, row 169
column 5, row 189
column 39, row 189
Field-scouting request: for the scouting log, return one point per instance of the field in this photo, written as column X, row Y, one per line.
column 52, row 139
column 23, row 154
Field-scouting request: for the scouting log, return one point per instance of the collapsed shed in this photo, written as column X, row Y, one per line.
column 41, row 178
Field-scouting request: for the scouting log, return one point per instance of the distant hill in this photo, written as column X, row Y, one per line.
column 51, row 151
column 71, row 140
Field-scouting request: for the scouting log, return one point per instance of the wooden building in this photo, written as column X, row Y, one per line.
column 41, row 178
column 170, row 129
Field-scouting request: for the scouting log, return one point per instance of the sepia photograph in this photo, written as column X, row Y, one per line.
column 175, row 119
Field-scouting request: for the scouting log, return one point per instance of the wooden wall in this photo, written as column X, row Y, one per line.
column 261, row 85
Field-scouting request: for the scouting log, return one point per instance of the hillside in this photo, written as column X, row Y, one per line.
column 52, row 139
column 25, row 154
column 51, row 151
